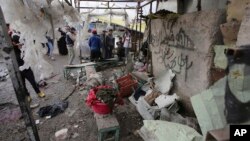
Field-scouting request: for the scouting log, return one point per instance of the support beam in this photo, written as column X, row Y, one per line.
column 114, row 0
column 106, row 7
column 67, row 1
column 19, row 87
column 78, row 5
column 147, row 3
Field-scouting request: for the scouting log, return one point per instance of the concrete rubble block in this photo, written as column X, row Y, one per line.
column 244, row 32
column 163, row 82
column 166, row 100
column 236, row 9
column 150, row 98
column 167, row 115
column 209, row 107
column 230, row 31
column 61, row 134
column 145, row 110
column 157, row 130
column 184, row 46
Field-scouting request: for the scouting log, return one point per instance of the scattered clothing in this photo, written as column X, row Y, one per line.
column 53, row 110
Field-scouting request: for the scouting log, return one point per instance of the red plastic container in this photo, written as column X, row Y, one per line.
column 96, row 105
column 101, row 108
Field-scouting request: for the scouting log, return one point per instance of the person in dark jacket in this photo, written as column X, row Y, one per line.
column 61, row 43
column 95, row 46
column 26, row 73
column 70, row 41
column 104, row 44
column 120, row 49
column 110, row 43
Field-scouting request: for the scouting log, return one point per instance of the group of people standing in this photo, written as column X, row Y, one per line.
column 102, row 46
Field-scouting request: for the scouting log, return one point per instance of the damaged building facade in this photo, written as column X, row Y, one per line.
column 193, row 46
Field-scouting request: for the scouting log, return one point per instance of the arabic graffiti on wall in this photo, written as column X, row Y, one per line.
column 172, row 50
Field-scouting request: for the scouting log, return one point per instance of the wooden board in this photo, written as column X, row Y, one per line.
column 80, row 65
column 106, row 121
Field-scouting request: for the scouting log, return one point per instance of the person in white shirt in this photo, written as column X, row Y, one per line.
column 127, row 41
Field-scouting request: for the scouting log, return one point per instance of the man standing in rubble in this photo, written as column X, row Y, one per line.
column 104, row 45
column 127, row 41
column 26, row 73
column 70, row 41
column 110, row 43
column 95, row 46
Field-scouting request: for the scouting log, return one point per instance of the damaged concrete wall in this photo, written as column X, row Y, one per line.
column 191, row 5
column 185, row 47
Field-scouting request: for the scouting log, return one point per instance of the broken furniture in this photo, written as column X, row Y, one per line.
column 107, row 123
column 126, row 85
column 69, row 68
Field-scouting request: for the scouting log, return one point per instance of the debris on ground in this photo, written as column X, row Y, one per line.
column 4, row 74
column 35, row 105
column 169, row 116
column 37, row 121
column 70, row 112
column 53, row 110
column 157, row 130
column 75, row 135
column 61, row 134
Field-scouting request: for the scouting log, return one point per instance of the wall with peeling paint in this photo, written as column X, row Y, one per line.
column 191, row 5
column 185, row 47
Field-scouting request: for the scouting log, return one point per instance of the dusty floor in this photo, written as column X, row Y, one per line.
column 77, row 114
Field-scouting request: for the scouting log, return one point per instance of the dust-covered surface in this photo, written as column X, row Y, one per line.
column 78, row 118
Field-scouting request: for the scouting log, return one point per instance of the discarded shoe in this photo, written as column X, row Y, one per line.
column 41, row 94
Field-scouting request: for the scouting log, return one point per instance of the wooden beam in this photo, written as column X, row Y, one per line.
column 132, row 1
column 107, row 7
column 17, row 81
column 147, row 3
column 70, row 4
